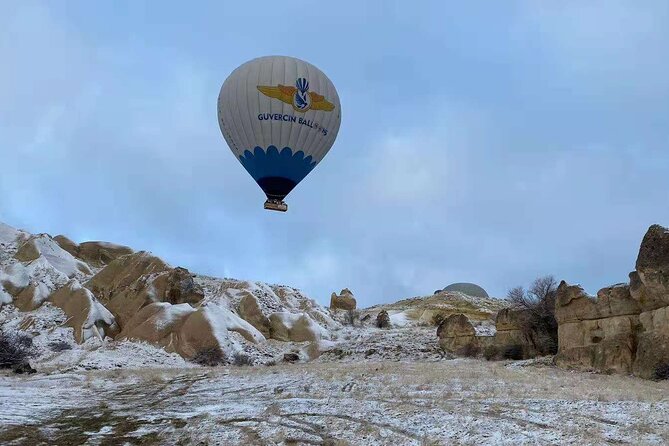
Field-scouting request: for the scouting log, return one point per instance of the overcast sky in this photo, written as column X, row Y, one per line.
column 479, row 142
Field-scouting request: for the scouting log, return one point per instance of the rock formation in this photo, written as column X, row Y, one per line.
column 383, row 319
column 97, row 254
column 345, row 301
column 625, row 329
column 101, row 290
column 517, row 338
column 459, row 336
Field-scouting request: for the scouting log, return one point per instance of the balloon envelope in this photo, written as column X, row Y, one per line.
column 280, row 116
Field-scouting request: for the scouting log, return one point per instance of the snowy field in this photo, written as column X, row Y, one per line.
column 335, row 403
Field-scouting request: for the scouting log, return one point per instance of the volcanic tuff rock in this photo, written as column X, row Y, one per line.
column 102, row 290
column 626, row 327
column 515, row 333
column 458, row 335
column 97, row 254
column 345, row 301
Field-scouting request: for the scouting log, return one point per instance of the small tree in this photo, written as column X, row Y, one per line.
column 540, row 325
column 15, row 349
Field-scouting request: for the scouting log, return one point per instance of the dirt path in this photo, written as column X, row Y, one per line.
column 423, row 403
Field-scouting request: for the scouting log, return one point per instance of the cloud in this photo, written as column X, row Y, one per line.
column 534, row 144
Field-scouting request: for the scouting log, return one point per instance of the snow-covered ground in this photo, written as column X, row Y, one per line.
column 366, row 402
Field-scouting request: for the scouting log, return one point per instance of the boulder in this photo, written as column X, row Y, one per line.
column 177, row 286
column 457, row 335
column 345, row 301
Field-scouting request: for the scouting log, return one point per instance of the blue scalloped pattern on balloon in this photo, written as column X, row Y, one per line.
column 271, row 163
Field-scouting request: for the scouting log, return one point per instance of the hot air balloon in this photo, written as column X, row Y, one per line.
column 280, row 116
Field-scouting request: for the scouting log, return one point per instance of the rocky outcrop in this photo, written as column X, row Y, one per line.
column 597, row 333
column 100, row 290
column 517, row 337
column 133, row 281
column 625, row 328
column 249, row 310
column 457, row 335
column 286, row 326
column 84, row 313
column 97, row 254
column 344, row 301
column 649, row 286
column 43, row 246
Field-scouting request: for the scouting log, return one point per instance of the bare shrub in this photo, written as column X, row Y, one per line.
column 210, row 357
column 241, row 359
column 514, row 352
column 59, row 346
column 662, row 371
column 540, row 327
column 214, row 356
column 15, row 349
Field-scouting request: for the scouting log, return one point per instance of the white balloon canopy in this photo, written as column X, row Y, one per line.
column 280, row 116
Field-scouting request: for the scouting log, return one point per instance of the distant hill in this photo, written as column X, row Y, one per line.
column 470, row 289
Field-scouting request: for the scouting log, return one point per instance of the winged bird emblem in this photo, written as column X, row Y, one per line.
column 298, row 96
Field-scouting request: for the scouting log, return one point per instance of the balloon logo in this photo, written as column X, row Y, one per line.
column 302, row 100
column 280, row 116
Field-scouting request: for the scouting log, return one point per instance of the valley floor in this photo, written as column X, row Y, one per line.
column 335, row 403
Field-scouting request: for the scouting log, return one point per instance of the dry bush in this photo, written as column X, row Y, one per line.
column 662, row 371
column 540, row 327
column 241, row 359
column 210, row 357
column 15, row 349
column 59, row 346
column 214, row 356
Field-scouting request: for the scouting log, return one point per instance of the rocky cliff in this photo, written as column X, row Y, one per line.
column 625, row 328
column 97, row 292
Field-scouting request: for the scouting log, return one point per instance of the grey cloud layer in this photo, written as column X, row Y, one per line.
column 508, row 144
